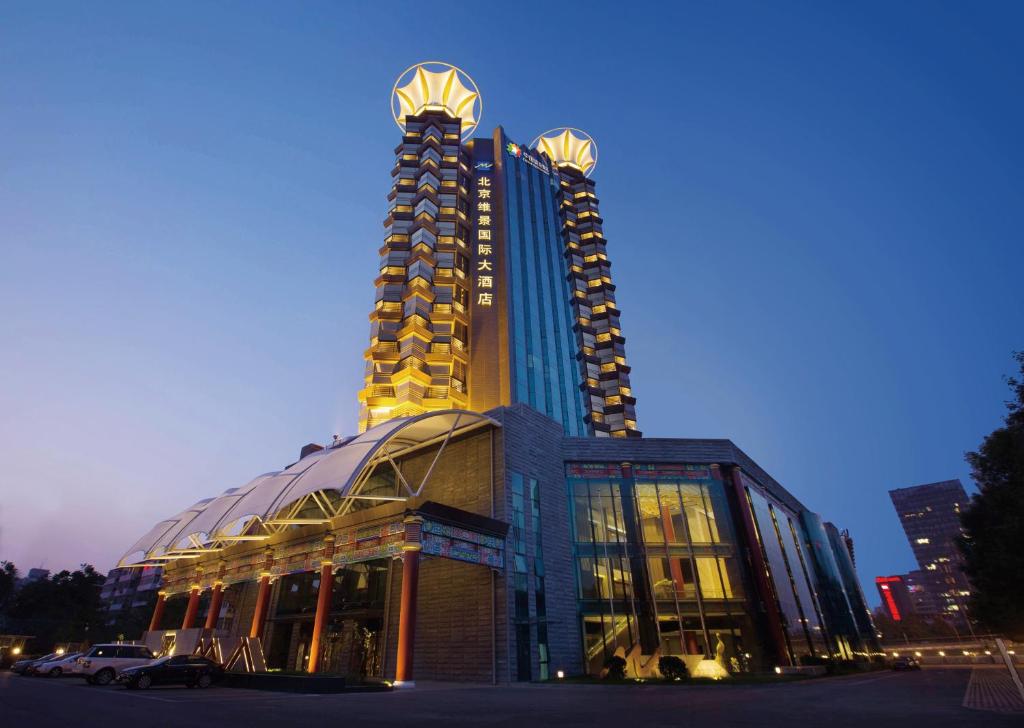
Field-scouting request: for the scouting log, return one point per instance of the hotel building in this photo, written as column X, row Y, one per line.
column 499, row 517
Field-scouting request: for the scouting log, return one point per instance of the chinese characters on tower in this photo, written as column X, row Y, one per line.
column 485, row 270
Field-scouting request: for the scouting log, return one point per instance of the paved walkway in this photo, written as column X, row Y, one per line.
column 931, row 698
column 993, row 689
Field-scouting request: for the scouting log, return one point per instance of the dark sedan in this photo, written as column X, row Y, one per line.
column 21, row 667
column 189, row 670
column 905, row 663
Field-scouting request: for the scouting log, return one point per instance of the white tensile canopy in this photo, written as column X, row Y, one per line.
column 273, row 501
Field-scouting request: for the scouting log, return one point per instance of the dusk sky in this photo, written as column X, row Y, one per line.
column 814, row 216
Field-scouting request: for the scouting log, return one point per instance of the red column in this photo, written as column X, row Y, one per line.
column 262, row 601
column 407, row 610
column 670, row 537
column 323, row 605
column 158, row 612
column 214, row 612
column 760, row 568
column 192, row 609
column 407, row 617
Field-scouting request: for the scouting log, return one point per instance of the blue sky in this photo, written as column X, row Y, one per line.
column 813, row 212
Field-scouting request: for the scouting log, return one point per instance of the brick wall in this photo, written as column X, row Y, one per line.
column 532, row 447
column 454, row 624
column 242, row 599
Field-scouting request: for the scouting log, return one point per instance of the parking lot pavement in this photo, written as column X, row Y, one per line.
column 932, row 698
column 994, row 689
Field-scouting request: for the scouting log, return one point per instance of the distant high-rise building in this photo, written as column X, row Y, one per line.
column 494, row 286
column 34, row 574
column 127, row 589
column 930, row 515
column 920, row 597
column 895, row 596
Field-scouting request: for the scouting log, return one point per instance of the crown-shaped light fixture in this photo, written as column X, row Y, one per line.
column 568, row 147
column 437, row 86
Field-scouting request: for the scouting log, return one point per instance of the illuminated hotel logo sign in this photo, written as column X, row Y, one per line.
column 519, row 153
column 485, row 271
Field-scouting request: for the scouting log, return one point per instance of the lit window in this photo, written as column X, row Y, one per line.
column 923, row 540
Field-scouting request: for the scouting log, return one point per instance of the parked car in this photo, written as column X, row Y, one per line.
column 103, row 663
column 21, row 666
column 190, row 670
column 59, row 665
column 905, row 663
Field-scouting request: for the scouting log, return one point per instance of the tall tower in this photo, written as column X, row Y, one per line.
column 494, row 284
column 419, row 327
column 610, row 404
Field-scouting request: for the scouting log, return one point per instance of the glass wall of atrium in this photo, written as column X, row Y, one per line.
column 659, row 553
column 791, row 577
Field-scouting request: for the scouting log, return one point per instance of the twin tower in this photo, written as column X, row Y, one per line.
column 495, row 286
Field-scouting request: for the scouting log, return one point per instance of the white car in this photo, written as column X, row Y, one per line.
column 63, row 665
column 101, row 664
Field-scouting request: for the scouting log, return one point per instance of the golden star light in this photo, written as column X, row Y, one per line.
column 437, row 86
column 569, row 147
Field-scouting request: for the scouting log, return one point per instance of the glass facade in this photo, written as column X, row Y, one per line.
column 520, row 578
column 539, row 590
column 834, row 601
column 352, row 634
column 542, row 345
column 794, row 591
column 656, row 553
column 657, row 550
column 858, row 605
column 526, row 526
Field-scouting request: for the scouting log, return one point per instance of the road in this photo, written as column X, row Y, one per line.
column 932, row 698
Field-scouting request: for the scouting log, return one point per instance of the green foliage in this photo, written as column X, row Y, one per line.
column 63, row 608
column 672, row 667
column 994, row 521
column 911, row 627
column 8, row 576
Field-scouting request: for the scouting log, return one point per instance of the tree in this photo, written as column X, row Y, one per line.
column 994, row 521
column 64, row 608
column 8, row 579
column 911, row 627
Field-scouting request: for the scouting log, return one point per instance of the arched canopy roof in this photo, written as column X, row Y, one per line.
column 215, row 522
column 166, row 531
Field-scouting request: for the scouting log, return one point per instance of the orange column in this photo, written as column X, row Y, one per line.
column 192, row 609
column 323, row 604
column 262, row 600
column 158, row 611
column 407, row 611
column 263, row 596
column 214, row 612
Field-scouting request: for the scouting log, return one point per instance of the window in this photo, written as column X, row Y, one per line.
column 711, row 586
column 649, row 512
